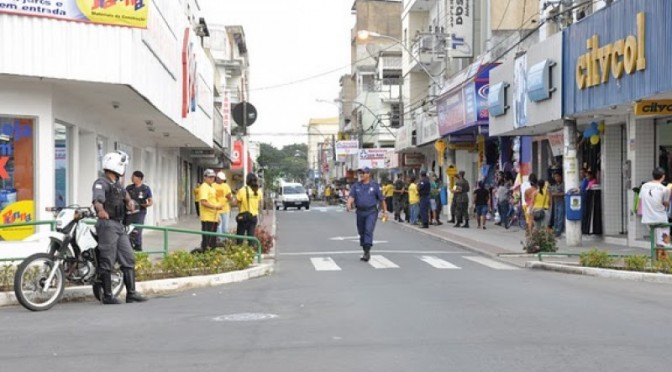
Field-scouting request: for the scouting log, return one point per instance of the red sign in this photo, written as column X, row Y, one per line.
column 237, row 155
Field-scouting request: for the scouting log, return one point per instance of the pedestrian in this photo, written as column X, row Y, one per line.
column 210, row 209
column 424, row 191
column 111, row 201
column 224, row 197
column 388, row 193
column 249, row 198
column 142, row 195
column 439, row 205
column 413, row 201
column 433, row 202
column 481, row 201
column 197, row 198
column 558, row 202
column 655, row 200
column 502, row 194
column 462, row 197
column 398, row 195
column 539, row 207
column 527, row 192
column 366, row 197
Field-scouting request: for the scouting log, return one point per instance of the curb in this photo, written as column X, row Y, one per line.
column 602, row 273
column 162, row 286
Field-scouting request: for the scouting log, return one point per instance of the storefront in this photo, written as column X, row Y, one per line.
column 617, row 89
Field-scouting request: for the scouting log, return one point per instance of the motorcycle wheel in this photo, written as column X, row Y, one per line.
column 117, row 285
column 30, row 285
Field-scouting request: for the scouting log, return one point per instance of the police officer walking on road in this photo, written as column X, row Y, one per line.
column 110, row 200
column 142, row 195
column 366, row 196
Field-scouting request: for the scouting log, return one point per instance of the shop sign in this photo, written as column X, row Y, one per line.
column 350, row 147
column 460, row 30
column 237, row 155
column 451, row 114
column 650, row 108
column 557, row 142
column 18, row 212
column 189, row 74
column 414, row 160
column 373, row 158
column 427, row 129
column 624, row 55
column 205, row 154
column 129, row 13
column 391, row 160
column 520, row 92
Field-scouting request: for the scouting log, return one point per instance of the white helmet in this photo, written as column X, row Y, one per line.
column 115, row 162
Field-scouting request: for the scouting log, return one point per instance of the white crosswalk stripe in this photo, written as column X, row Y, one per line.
column 380, row 262
column 490, row 263
column 324, row 264
column 438, row 263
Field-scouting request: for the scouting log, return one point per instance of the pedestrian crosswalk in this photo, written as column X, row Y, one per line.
column 382, row 262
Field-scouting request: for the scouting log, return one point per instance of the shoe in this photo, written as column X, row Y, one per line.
column 108, row 298
column 424, row 226
column 483, row 227
column 458, row 224
column 452, row 220
column 129, row 281
column 466, row 225
column 439, row 223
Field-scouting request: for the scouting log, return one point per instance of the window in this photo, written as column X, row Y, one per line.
column 17, row 178
column 62, row 168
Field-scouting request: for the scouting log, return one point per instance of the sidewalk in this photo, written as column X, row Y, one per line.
column 507, row 244
column 153, row 240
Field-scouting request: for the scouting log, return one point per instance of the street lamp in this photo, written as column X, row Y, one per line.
column 365, row 34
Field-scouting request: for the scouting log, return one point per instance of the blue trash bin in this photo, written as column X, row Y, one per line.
column 573, row 206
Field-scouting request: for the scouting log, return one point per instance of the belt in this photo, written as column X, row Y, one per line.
column 366, row 209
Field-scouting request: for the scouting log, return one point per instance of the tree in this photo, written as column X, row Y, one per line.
column 290, row 162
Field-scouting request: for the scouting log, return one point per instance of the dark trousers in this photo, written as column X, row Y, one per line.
column 389, row 203
column 209, row 241
column 503, row 212
column 366, row 223
column 453, row 211
column 424, row 210
column 138, row 219
column 246, row 229
column 462, row 211
column 113, row 245
column 198, row 208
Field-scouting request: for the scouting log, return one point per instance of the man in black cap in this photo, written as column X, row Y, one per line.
column 461, row 199
column 366, row 196
column 142, row 195
column 424, row 190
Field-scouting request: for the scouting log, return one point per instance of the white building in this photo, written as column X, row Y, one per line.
column 72, row 91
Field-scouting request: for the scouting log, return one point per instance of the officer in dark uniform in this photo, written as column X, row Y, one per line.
column 142, row 195
column 366, row 197
column 110, row 200
column 424, row 190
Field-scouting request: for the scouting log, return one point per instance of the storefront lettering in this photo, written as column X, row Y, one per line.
column 105, row 4
column 624, row 55
column 11, row 216
column 15, row 131
column 648, row 108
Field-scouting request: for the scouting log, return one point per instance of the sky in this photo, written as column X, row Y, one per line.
column 289, row 41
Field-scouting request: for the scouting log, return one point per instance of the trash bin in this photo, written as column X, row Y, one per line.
column 573, row 206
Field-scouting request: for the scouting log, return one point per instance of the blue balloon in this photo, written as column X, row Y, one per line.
column 586, row 133
column 593, row 125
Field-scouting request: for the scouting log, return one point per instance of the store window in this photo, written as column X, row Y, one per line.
column 17, row 192
column 62, row 159
column 664, row 141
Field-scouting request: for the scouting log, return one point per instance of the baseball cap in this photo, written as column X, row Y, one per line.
column 221, row 175
column 365, row 170
column 209, row 173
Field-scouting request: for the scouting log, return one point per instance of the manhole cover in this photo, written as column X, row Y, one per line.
column 244, row 317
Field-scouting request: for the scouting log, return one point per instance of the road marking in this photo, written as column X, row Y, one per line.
column 490, row 263
column 356, row 237
column 438, row 263
column 324, row 264
column 380, row 262
column 359, row 251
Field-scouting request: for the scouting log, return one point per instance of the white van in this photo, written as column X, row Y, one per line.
column 291, row 195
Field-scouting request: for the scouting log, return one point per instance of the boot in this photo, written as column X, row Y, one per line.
column 366, row 255
column 129, row 281
column 459, row 222
column 466, row 224
column 108, row 298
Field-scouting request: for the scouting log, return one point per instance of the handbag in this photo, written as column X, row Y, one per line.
column 245, row 217
column 539, row 215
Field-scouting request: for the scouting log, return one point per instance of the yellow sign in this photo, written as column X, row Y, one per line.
column 130, row 13
column 650, row 108
column 19, row 212
column 629, row 55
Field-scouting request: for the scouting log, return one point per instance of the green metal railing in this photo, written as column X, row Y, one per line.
column 652, row 239
column 164, row 230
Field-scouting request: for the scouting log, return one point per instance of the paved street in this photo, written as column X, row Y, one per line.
column 419, row 305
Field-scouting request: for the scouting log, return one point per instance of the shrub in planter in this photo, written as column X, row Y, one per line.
column 636, row 262
column 7, row 277
column 145, row 269
column 664, row 265
column 242, row 256
column 596, row 258
column 540, row 240
column 179, row 263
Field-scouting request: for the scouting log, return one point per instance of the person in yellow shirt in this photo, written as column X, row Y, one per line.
column 540, row 203
column 224, row 197
column 413, row 201
column 388, row 193
column 210, row 209
column 197, row 198
column 249, row 199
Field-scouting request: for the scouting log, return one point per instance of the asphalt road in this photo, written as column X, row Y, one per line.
column 419, row 305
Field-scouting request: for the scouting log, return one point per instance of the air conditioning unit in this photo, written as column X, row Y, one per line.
column 427, row 43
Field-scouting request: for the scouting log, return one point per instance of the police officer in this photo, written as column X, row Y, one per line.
column 424, row 190
column 142, row 195
column 366, row 196
column 110, row 200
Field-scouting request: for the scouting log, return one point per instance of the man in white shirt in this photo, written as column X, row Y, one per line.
column 655, row 199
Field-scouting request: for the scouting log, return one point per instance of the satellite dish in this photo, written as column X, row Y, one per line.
column 373, row 49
